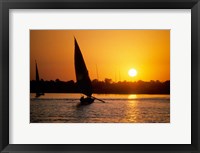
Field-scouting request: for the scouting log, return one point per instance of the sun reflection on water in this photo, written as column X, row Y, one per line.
column 132, row 96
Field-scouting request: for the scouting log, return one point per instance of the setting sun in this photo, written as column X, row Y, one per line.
column 132, row 72
column 107, row 54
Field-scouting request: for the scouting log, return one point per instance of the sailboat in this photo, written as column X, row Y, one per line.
column 82, row 76
column 38, row 83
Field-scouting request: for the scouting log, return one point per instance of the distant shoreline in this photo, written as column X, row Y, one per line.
column 103, row 87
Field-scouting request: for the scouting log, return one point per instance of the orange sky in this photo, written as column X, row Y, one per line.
column 110, row 52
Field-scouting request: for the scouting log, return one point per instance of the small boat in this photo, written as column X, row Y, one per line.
column 82, row 77
column 86, row 101
column 38, row 83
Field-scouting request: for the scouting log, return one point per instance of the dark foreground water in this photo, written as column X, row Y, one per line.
column 119, row 108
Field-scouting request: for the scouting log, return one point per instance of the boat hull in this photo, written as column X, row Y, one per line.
column 86, row 101
column 39, row 94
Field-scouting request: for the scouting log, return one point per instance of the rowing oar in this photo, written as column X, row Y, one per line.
column 98, row 99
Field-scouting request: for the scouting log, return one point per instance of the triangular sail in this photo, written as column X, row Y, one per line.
column 38, row 83
column 37, row 74
column 82, row 76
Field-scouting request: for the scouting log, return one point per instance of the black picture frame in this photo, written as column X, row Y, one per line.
column 5, row 5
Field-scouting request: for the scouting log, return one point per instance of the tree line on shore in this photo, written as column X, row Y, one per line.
column 104, row 87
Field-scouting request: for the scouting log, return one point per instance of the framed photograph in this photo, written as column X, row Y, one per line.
column 99, row 76
column 106, row 75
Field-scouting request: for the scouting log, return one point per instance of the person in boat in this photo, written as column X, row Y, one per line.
column 86, row 100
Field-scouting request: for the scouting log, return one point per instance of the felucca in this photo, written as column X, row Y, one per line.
column 82, row 77
column 38, row 83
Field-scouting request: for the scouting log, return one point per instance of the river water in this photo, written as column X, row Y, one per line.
column 119, row 108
